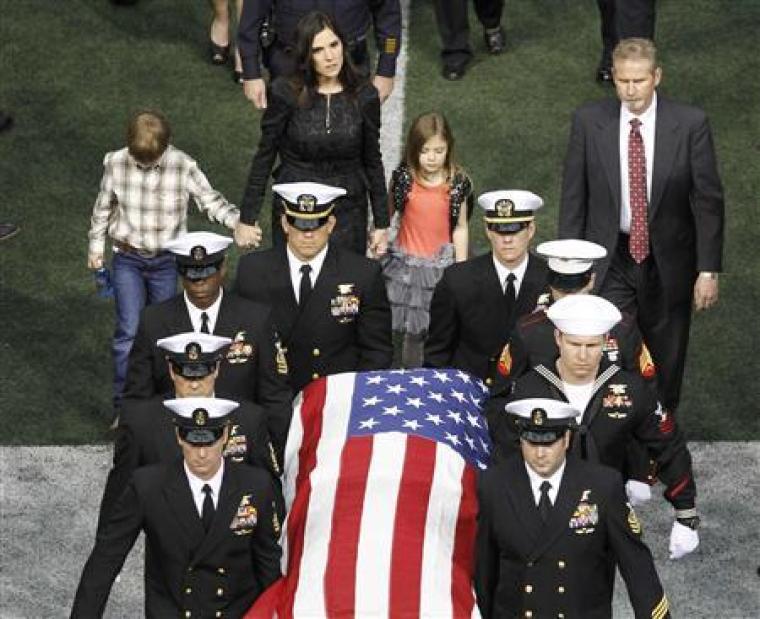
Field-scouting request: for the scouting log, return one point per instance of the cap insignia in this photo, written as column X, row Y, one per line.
column 198, row 253
column 538, row 416
column 200, row 416
column 193, row 351
column 307, row 202
column 505, row 207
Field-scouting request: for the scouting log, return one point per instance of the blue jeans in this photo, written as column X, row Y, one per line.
column 137, row 282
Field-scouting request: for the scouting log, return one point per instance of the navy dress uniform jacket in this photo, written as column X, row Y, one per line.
column 622, row 408
column 566, row 567
column 188, row 572
column 346, row 323
column 469, row 321
column 249, row 371
column 145, row 435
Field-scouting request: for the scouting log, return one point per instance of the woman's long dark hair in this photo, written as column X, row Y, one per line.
column 305, row 80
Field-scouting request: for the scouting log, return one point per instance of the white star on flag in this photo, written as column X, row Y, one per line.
column 416, row 402
column 464, row 377
column 453, row 438
column 373, row 401
column 436, row 419
column 441, row 376
column 397, row 389
column 368, row 424
column 458, row 395
column 392, row 411
column 418, row 380
column 412, row 424
column 375, row 380
column 473, row 420
column 438, row 397
column 457, row 417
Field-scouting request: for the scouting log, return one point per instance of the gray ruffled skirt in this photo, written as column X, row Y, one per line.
column 410, row 281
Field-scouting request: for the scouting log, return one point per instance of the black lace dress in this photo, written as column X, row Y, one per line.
column 336, row 141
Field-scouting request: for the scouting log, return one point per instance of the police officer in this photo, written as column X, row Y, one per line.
column 552, row 527
column 253, row 368
column 210, row 526
column 330, row 304
column 145, row 434
column 476, row 303
column 616, row 406
column 266, row 33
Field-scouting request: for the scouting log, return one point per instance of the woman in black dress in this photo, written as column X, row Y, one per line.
column 324, row 123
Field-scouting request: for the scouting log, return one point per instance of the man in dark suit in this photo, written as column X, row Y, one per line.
column 641, row 179
column 145, row 434
column 552, row 528
column 330, row 306
column 253, row 368
column 476, row 302
column 210, row 527
column 614, row 407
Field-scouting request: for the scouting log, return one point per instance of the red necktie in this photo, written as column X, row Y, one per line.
column 638, row 242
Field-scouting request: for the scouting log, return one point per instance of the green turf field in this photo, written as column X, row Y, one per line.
column 73, row 70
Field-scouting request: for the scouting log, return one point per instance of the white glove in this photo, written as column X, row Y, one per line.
column 683, row 540
column 638, row 492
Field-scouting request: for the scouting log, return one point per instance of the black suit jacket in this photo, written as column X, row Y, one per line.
column 145, row 435
column 469, row 321
column 686, row 205
column 186, row 568
column 346, row 323
column 249, row 370
column 566, row 567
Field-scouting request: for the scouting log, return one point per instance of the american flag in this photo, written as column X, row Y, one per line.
column 380, row 485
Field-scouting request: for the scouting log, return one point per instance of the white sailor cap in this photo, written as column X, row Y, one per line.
column 583, row 314
column 194, row 355
column 542, row 420
column 509, row 210
column 200, row 421
column 570, row 262
column 307, row 205
column 198, row 254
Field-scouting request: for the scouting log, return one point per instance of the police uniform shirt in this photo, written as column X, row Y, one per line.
column 197, row 484
column 646, row 129
column 503, row 272
column 579, row 396
column 212, row 311
column 294, row 265
column 536, row 480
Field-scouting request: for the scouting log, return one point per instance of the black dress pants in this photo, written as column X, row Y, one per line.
column 622, row 19
column 454, row 26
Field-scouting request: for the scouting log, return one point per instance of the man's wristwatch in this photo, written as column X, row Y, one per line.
column 692, row 523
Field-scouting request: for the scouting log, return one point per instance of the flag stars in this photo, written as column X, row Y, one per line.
column 397, row 389
column 375, row 380
column 416, row 402
column 456, row 417
column 412, row 424
column 393, row 411
column 464, row 377
column 474, row 421
column 438, row 397
column 435, row 419
column 458, row 396
column 470, row 441
column 441, row 376
column 373, row 401
column 418, row 380
column 368, row 424
column 453, row 439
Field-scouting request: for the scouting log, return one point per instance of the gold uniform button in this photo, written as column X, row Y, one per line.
column 220, row 570
column 188, row 613
column 188, row 591
column 489, row 381
column 561, row 616
column 218, row 613
column 315, row 352
column 528, row 588
column 560, row 589
column 314, row 376
column 220, row 592
column 528, row 613
column 561, row 565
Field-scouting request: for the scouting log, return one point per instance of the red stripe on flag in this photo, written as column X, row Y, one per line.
column 340, row 574
column 311, row 419
column 411, row 514
column 463, row 557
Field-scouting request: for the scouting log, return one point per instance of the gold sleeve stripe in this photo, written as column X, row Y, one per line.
column 661, row 609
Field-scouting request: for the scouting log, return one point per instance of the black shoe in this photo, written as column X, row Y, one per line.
column 496, row 41
column 604, row 74
column 124, row 2
column 237, row 77
column 8, row 230
column 218, row 54
column 454, row 71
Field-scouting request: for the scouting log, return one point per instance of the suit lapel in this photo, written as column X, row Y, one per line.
column 493, row 295
column 179, row 318
column 608, row 143
column 179, row 497
column 324, row 288
column 224, row 319
column 519, row 493
column 666, row 141
column 567, row 500
column 282, row 297
column 532, row 284
column 225, row 510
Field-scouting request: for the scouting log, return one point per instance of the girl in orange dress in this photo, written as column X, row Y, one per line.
column 432, row 197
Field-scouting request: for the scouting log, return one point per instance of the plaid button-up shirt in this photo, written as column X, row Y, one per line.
column 146, row 206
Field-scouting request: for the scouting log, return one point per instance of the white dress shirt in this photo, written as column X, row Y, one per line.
column 295, row 269
column 536, row 480
column 503, row 272
column 196, row 487
column 212, row 311
column 648, row 120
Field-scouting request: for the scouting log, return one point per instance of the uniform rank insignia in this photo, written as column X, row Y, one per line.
column 240, row 350
column 667, row 422
column 280, row 361
column 617, row 397
column 273, row 458
column 245, row 518
column 633, row 521
column 345, row 306
column 504, row 366
column 646, row 363
column 237, row 446
column 275, row 520
column 611, row 349
column 391, row 45
column 585, row 517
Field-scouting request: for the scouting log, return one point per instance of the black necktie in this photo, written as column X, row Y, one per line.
column 544, row 503
column 204, row 323
column 305, row 289
column 509, row 292
column 207, row 514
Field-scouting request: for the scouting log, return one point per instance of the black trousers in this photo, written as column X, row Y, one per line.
column 454, row 27
column 664, row 322
column 622, row 19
